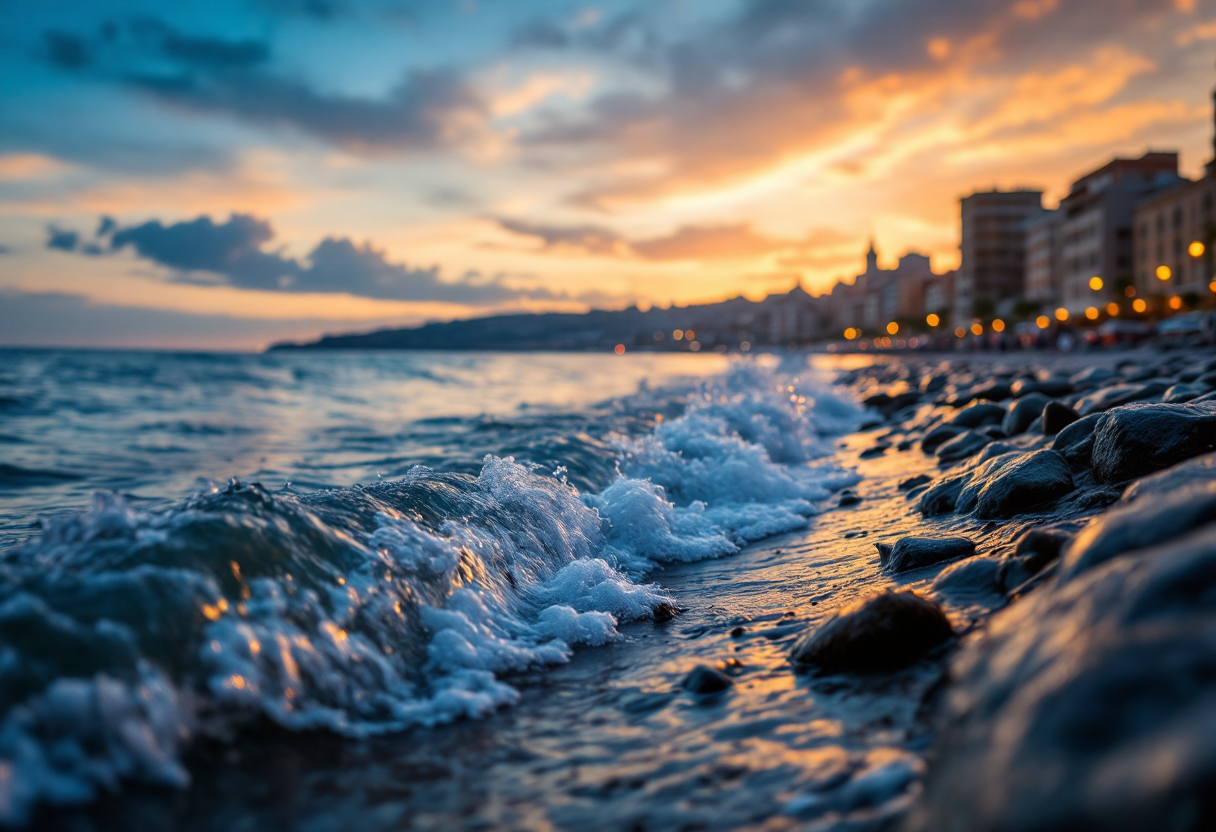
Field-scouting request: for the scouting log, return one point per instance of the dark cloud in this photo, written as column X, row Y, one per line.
column 66, row 50
column 732, row 94
column 429, row 109
column 591, row 239
column 234, row 253
column 61, row 240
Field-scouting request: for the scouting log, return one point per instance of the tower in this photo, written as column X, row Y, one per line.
column 871, row 258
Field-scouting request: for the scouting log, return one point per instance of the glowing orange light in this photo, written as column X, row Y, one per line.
column 1061, row 314
column 620, row 349
column 1163, row 272
column 892, row 328
column 678, row 335
column 1043, row 321
column 1175, row 302
column 1130, row 291
column 1212, row 285
column 998, row 325
column 1092, row 313
column 932, row 319
column 960, row 332
column 689, row 335
column 1139, row 305
column 1095, row 283
column 977, row 329
column 1112, row 308
column 1195, row 249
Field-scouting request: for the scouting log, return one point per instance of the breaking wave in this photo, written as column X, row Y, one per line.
column 126, row 633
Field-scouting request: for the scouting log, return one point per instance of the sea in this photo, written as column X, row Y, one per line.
column 335, row 590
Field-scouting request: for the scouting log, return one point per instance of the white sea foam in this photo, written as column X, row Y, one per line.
column 355, row 613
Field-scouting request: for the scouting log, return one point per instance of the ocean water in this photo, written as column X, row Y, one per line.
column 210, row 559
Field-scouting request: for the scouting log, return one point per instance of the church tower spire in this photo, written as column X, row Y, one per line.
column 871, row 258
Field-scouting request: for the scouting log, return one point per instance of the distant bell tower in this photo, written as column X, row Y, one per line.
column 871, row 258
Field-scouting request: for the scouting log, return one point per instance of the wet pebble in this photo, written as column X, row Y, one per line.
column 887, row 631
column 915, row 552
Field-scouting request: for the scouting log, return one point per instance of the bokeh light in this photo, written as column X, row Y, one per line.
column 1061, row 314
column 932, row 320
column 1139, row 305
column 1095, row 283
column 1163, row 272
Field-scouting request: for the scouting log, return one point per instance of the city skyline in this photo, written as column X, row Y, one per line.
column 247, row 172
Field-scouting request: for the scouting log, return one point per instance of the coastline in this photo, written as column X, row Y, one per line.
column 614, row 740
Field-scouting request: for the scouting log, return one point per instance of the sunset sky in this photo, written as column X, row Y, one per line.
column 225, row 174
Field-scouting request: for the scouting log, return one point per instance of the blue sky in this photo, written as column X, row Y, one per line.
column 223, row 174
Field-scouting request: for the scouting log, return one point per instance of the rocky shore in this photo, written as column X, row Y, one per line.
column 1067, row 554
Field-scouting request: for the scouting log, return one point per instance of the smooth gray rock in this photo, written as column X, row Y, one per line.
column 1136, row 440
column 978, row 414
column 939, row 436
column 887, row 631
column 1140, row 524
column 915, row 552
column 1118, row 394
column 1057, row 416
column 1024, row 411
column 703, row 681
column 1016, row 483
column 1197, row 471
column 962, row 446
column 941, row 498
column 1182, row 393
column 1076, row 441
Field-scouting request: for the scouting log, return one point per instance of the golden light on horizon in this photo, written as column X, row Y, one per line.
column 1112, row 309
column 1175, row 302
column 1043, row 321
column 1092, row 313
column 892, row 328
column 1139, row 305
column 620, row 349
column 1095, row 283
column 932, row 320
column 998, row 325
column 1195, row 249
column 977, row 329
column 1061, row 314
column 851, row 333
column 1163, row 272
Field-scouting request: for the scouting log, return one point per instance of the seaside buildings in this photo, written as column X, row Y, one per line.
column 993, row 248
column 1175, row 233
column 1043, row 256
column 1096, row 229
column 878, row 296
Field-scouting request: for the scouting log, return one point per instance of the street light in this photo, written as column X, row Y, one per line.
column 1139, row 305
column 892, row 328
column 1095, row 283
column 1092, row 313
column 932, row 320
column 998, row 325
column 1163, row 272
column 1043, row 321
column 1061, row 314
column 1195, row 249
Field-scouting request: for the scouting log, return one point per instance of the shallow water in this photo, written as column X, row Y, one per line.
column 485, row 618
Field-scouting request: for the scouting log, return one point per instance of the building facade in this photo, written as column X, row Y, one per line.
column 1096, row 238
column 1043, row 257
column 878, row 296
column 993, row 248
column 1175, row 233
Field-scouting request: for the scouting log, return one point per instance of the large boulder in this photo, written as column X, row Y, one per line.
column 1088, row 705
column 887, row 631
column 1138, row 439
column 941, row 497
column 914, row 552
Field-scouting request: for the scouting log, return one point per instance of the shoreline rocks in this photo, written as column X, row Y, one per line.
column 887, row 631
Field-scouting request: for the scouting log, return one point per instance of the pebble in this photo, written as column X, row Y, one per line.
column 705, row 681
